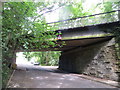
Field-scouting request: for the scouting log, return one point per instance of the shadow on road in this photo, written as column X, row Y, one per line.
column 53, row 69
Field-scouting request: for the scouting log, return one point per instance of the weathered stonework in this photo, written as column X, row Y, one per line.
column 78, row 59
column 104, row 64
column 98, row 60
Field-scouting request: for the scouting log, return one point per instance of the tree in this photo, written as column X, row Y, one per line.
column 22, row 27
column 15, row 15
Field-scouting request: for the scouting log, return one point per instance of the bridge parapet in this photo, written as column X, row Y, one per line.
column 95, row 19
column 99, row 30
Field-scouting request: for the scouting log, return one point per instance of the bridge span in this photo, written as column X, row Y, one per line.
column 80, row 37
column 83, row 49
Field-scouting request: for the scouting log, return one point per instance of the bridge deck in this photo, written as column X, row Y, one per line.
column 83, row 36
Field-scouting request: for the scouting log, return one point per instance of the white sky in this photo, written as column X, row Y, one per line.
column 54, row 16
column 21, row 58
column 90, row 3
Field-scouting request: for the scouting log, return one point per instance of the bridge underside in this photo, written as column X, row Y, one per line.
column 73, row 44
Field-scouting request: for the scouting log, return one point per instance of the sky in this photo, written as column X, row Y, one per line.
column 54, row 16
column 21, row 59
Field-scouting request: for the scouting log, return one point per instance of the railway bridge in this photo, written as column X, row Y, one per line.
column 88, row 50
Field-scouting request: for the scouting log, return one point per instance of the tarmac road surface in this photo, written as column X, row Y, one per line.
column 32, row 76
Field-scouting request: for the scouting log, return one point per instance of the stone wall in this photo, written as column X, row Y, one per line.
column 98, row 60
column 104, row 64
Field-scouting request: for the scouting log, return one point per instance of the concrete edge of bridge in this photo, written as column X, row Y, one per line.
column 105, row 81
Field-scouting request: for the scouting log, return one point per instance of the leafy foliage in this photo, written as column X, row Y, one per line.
column 14, row 19
column 77, row 10
column 48, row 58
column 22, row 28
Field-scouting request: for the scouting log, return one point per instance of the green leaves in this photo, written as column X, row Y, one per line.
column 18, row 20
column 48, row 58
column 19, row 30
